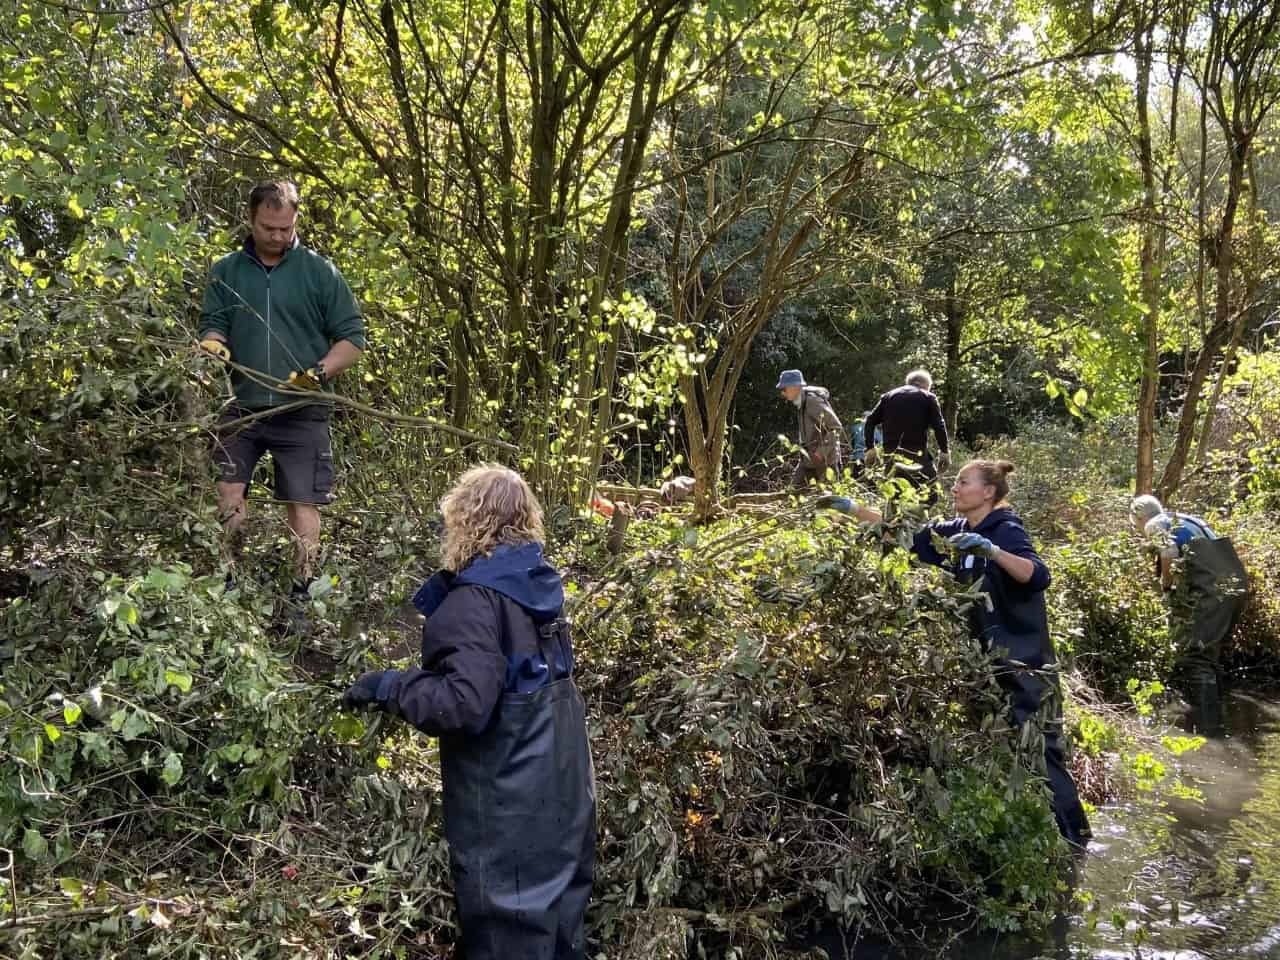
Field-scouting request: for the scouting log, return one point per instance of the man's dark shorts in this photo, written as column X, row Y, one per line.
column 298, row 442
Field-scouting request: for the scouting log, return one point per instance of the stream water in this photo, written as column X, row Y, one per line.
column 1169, row 877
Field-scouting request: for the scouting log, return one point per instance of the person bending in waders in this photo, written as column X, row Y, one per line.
column 819, row 430
column 1206, row 597
column 496, row 686
column 279, row 309
column 991, row 545
column 905, row 416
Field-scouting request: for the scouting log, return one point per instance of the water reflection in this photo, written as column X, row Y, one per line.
column 1171, row 879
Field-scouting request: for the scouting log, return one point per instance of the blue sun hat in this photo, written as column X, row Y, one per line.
column 790, row 378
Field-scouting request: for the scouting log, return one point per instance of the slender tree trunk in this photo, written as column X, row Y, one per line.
column 951, row 376
column 650, row 66
column 1149, row 267
column 1237, row 329
column 1220, row 330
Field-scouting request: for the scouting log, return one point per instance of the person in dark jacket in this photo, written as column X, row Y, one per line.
column 496, row 686
column 991, row 545
column 1208, row 591
column 905, row 416
column 820, row 429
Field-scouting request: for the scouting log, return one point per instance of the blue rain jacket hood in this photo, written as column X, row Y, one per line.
column 517, row 572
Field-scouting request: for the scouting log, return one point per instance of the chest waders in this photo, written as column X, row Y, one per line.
column 1204, row 606
column 1029, row 677
column 520, row 818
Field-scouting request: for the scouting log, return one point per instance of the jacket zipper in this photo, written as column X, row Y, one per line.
column 271, row 394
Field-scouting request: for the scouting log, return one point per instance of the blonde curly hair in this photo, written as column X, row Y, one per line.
column 489, row 506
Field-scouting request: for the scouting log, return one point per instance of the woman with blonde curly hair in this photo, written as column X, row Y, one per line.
column 496, row 686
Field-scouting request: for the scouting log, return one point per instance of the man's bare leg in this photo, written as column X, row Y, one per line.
column 232, row 510
column 304, row 527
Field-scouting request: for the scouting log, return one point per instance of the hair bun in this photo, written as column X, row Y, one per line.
column 1004, row 466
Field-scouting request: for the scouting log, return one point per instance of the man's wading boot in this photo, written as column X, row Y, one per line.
column 1204, row 696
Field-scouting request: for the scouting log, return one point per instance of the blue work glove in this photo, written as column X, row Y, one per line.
column 974, row 543
column 371, row 690
column 843, row 504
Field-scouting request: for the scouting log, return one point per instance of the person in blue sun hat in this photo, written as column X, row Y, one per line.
column 821, row 455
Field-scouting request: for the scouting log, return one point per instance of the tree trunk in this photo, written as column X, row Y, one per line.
column 1218, row 333
column 703, row 462
column 951, row 376
column 1149, row 266
column 1242, row 314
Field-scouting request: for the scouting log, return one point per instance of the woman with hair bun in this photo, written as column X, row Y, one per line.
column 496, row 686
column 990, row 544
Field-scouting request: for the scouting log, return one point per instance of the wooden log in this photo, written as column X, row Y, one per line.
column 773, row 496
column 626, row 494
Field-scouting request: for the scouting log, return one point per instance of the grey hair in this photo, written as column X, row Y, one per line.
column 1145, row 507
column 921, row 379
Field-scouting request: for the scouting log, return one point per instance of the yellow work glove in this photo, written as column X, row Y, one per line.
column 215, row 348
column 311, row 379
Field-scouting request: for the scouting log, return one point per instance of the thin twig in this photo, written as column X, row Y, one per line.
column 314, row 397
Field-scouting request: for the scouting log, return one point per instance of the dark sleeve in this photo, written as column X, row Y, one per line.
column 342, row 320
column 938, row 423
column 466, row 676
column 922, row 546
column 215, row 311
column 874, row 419
column 1012, row 538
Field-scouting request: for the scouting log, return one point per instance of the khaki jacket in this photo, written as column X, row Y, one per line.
column 820, row 428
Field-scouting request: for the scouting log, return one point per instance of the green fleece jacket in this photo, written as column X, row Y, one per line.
column 278, row 320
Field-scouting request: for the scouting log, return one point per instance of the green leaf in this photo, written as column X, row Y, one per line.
column 73, row 204
column 71, row 713
column 70, row 886
column 1080, row 398
column 15, row 185
column 172, row 771
column 177, row 678
column 34, row 845
column 131, row 724
column 232, row 752
column 320, row 587
column 52, row 732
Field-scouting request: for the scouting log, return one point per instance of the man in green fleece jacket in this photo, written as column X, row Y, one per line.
column 284, row 311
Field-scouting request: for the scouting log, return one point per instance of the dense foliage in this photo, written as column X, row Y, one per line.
column 816, row 735
column 597, row 232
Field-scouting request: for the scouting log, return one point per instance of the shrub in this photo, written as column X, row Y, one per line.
column 176, row 779
column 782, row 715
column 1106, row 613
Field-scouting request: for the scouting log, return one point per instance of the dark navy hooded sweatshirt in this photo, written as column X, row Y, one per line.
column 488, row 632
column 1017, row 620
